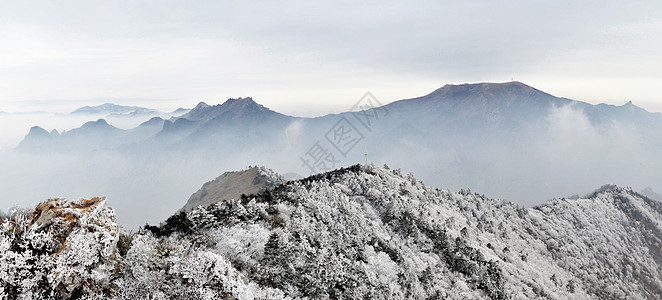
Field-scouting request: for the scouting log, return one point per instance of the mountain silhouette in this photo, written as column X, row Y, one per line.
column 110, row 108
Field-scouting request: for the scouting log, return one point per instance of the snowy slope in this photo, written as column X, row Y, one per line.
column 381, row 234
column 375, row 233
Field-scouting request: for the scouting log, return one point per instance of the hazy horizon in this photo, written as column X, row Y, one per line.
column 296, row 54
column 506, row 140
column 309, row 109
column 55, row 115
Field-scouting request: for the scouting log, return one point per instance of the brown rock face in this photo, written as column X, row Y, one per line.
column 231, row 185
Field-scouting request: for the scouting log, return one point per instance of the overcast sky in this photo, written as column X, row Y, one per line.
column 309, row 57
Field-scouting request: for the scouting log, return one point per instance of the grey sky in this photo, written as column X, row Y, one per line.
column 304, row 57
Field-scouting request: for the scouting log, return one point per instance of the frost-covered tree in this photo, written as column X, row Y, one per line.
column 354, row 233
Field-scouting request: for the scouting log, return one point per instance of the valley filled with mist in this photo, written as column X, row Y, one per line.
column 507, row 140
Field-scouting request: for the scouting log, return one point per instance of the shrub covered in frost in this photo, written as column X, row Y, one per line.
column 64, row 249
column 354, row 233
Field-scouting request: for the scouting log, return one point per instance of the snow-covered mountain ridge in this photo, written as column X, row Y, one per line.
column 364, row 232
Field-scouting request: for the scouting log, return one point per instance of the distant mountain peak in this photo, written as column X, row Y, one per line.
column 36, row 131
column 648, row 192
column 233, row 107
column 493, row 105
column 629, row 106
column 184, row 110
column 38, row 139
column 178, row 125
column 201, row 105
column 242, row 100
column 489, row 84
column 153, row 121
column 111, row 108
column 486, row 89
column 244, row 105
column 98, row 123
column 231, row 185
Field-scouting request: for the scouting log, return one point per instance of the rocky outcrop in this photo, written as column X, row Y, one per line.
column 65, row 248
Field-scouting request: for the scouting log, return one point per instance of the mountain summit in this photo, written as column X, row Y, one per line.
column 488, row 90
column 231, row 185
column 492, row 105
column 648, row 192
column 232, row 109
column 38, row 139
column 110, row 108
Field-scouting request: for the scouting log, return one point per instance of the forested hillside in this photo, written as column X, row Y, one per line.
column 355, row 233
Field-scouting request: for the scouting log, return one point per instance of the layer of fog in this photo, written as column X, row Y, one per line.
column 140, row 188
column 566, row 156
column 569, row 156
column 15, row 126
